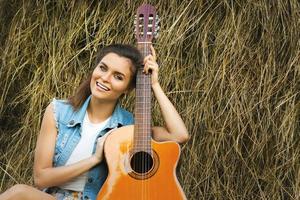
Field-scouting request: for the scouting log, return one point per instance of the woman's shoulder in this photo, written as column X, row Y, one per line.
column 127, row 116
column 61, row 103
column 125, row 112
column 61, row 109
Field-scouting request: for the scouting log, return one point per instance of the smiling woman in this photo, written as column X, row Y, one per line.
column 69, row 150
column 111, row 80
column 116, row 62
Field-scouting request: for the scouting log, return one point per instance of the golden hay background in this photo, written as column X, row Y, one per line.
column 231, row 67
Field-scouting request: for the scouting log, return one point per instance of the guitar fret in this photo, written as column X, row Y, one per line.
column 141, row 109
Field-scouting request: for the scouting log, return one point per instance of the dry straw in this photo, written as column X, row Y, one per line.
column 231, row 67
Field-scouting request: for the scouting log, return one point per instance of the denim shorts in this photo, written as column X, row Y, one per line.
column 62, row 194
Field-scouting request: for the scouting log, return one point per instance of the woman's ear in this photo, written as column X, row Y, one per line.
column 129, row 89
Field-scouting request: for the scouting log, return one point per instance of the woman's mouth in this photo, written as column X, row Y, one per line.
column 102, row 87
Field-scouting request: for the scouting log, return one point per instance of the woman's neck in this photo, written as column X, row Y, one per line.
column 99, row 111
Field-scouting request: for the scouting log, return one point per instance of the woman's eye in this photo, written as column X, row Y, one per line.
column 102, row 68
column 119, row 77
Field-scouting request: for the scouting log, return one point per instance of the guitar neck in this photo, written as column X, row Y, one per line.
column 142, row 132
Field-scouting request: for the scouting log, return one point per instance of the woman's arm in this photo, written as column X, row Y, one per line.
column 45, row 175
column 175, row 128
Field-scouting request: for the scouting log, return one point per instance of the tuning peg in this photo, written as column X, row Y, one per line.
column 157, row 18
column 157, row 27
column 157, row 23
column 156, row 34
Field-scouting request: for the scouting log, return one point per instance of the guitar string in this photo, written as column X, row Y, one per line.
column 144, row 86
column 149, row 127
column 142, row 155
column 147, row 188
column 145, row 91
column 144, row 126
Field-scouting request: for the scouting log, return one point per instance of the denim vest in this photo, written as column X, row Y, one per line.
column 69, row 123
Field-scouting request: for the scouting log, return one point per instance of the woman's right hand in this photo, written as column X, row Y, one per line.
column 100, row 147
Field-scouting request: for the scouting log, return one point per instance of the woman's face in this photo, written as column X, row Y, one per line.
column 111, row 77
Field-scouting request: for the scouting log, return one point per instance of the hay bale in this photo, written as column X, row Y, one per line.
column 230, row 67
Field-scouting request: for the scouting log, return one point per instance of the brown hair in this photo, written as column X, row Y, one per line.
column 123, row 50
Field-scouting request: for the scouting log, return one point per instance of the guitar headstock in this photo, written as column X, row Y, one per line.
column 146, row 23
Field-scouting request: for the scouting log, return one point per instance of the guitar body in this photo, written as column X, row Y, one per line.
column 159, row 182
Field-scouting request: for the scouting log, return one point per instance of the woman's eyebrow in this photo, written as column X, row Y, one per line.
column 103, row 63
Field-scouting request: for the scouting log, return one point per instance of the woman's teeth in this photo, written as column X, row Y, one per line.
column 102, row 86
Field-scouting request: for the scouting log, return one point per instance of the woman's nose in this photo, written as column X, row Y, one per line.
column 105, row 77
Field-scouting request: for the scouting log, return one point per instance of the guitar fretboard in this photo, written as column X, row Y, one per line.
column 142, row 132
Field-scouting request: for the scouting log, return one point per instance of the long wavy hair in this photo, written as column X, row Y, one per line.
column 123, row 50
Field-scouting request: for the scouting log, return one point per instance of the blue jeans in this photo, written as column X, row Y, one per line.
column 62, row 194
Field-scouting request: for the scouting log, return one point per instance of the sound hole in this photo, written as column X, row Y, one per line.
column 141, row 162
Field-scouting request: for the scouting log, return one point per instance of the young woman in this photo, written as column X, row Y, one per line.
column 69, row 148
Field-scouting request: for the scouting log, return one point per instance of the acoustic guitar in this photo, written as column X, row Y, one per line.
column 139, row 167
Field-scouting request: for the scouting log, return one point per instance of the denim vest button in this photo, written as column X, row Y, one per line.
column 90, row 180
column 71, row 122
column 86, row 197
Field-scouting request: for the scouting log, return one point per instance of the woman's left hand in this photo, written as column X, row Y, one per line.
column 151, row 66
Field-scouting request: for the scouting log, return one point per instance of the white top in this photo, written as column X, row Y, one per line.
column 83, row 150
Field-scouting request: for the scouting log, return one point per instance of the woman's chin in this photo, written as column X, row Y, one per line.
column 102, row 97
